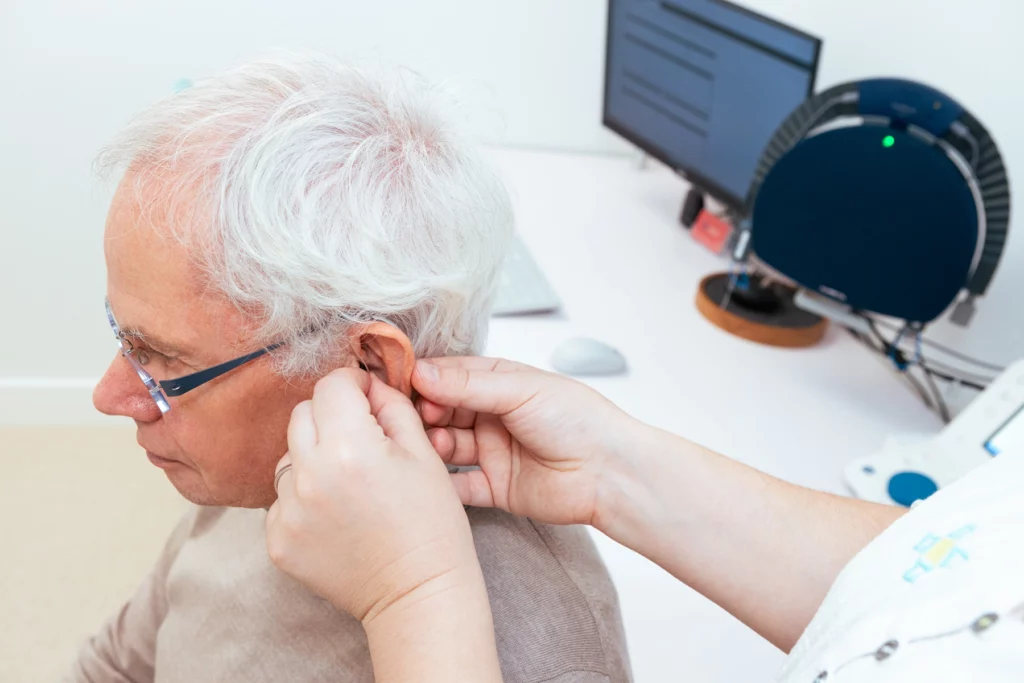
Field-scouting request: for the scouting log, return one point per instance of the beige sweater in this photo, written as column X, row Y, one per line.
column 215, row 610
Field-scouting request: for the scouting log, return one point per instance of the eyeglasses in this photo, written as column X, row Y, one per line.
column 160, row 390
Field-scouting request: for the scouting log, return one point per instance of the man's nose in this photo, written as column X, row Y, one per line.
column 121, row 392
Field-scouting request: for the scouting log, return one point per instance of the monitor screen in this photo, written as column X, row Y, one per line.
column 703, row 85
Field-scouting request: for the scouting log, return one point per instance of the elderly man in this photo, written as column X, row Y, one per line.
column 284, row 219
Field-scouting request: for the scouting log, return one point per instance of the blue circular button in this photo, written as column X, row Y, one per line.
column 908, row 487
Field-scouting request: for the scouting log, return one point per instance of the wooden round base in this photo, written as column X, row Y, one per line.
column 788, row 327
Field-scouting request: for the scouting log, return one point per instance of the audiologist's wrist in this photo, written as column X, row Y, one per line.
column 427, row 579
column 622, row 480
column 631, row 501
column 444, row 633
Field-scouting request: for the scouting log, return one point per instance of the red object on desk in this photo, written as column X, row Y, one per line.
column 711, row 231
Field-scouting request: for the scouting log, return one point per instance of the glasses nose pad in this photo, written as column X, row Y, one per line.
column 124, row 344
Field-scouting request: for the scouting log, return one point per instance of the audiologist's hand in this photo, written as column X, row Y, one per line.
column 545, row 444
column 366, row 515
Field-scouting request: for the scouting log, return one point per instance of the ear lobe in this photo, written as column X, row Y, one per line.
column 385, row 351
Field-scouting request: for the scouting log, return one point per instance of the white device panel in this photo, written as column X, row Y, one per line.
column 910, row 468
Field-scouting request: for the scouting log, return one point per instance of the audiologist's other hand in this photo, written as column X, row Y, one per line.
column 366, row 515
column 546, row 445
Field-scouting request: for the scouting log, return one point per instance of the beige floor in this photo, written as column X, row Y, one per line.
column 82, row 517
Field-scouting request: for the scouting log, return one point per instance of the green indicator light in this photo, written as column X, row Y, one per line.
column 888, row 141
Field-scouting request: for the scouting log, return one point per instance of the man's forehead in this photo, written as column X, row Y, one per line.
column 155, row 289
column 138, row 245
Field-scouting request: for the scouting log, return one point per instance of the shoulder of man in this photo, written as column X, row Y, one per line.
column 556, row 612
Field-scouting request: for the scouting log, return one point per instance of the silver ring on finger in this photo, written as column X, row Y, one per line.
column 280, row 473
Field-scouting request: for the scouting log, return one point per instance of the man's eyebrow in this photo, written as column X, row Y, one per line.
column 154, row 342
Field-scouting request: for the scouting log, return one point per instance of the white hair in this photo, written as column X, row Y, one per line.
column 316, row 195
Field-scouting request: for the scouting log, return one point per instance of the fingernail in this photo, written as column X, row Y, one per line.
column 428, row 371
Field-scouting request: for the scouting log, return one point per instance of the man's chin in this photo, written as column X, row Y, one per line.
column 193, row 488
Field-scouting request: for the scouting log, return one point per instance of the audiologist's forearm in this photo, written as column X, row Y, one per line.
column 763, row 549
column 445, row 635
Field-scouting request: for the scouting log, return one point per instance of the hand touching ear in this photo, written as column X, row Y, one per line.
column 366, row 515
column 543, row 443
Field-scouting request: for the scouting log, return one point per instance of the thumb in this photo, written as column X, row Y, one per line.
column 397, row 416
column 463, row 384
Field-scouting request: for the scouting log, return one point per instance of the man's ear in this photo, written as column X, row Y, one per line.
column 386, row 352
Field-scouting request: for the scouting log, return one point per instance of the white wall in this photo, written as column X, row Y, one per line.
column 72, row 71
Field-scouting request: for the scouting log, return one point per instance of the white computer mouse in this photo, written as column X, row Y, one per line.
column 581, row 356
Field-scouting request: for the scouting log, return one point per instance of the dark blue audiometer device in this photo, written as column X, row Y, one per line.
column 885, row 195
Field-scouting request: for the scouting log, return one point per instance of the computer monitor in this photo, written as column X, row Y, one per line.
column 702, row 85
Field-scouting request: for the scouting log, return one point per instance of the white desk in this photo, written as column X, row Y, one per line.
column 607, row 236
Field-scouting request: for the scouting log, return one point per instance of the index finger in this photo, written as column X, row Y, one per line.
column 477, row 363
column 486, row 389
column 340, row 404
column 398, row 418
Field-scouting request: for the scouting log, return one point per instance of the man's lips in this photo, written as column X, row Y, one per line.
column 157, row 460
column 161, row 462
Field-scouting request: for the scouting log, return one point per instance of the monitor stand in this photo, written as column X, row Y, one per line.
column 692, row 206
column 760, row 311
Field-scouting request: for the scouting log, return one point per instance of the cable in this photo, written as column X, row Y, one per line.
column 965, row 358
column 910, row 379
column 939, row 347
column 943, row 408
column 957, row 380
column 933, row 400
column 873, row 324
column 920, row 390
column 972, row 380
column 951, row 374
column 736, row 270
